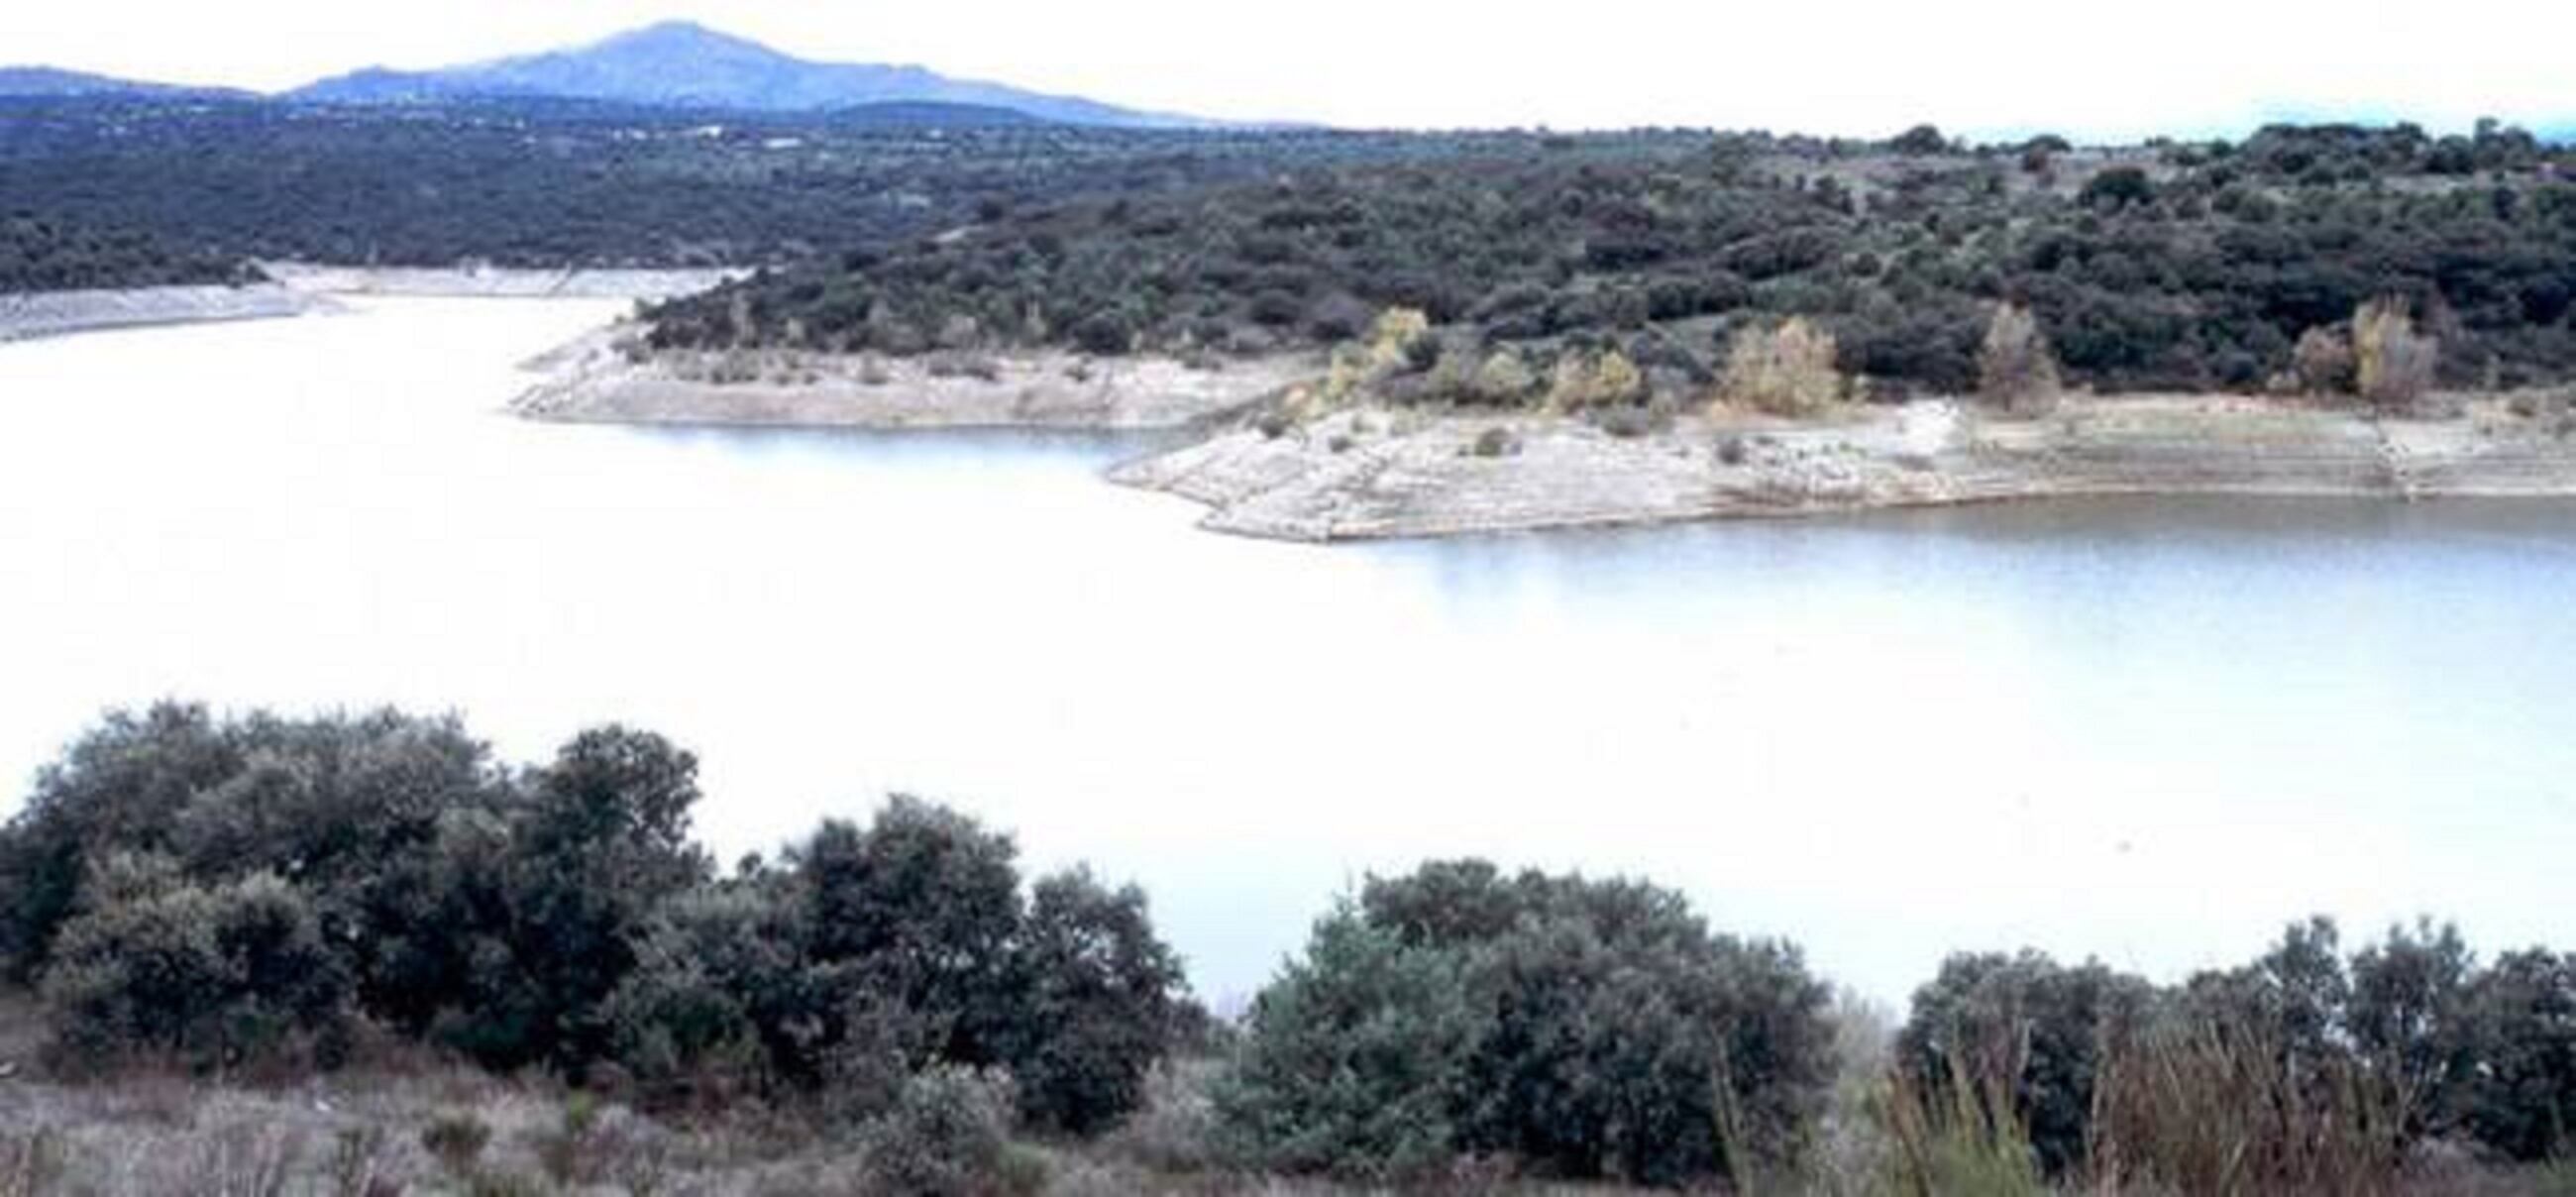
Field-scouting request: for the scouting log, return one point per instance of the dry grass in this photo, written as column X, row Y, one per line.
column 2202, row 1107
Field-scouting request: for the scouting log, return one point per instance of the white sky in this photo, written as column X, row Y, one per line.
column 1866, row 68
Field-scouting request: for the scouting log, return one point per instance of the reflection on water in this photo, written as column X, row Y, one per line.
column 2149, row 730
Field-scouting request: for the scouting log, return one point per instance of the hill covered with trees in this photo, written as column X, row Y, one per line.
column 46, row 255
column 553, row 183
column 2179, row 266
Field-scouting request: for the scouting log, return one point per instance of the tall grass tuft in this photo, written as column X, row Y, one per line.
column 1958, row 1135
column 2207, row 1104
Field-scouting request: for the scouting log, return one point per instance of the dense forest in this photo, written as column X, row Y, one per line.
column 2188, row 266
column 279, row 898
column 46, row 255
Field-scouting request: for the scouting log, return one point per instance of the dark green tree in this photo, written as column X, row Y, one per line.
column 1099, row 1003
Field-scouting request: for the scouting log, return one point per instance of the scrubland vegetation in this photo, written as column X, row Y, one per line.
column 43, row 255
column 541, row 183
column 2180, row 266
column 353, row 954
column 2237, row 266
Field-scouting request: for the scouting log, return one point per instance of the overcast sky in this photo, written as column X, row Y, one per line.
column 1975, row 66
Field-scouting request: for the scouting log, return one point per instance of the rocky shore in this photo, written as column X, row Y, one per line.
column 1376, row 474
column 606, row 378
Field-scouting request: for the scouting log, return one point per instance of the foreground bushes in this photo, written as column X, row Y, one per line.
column 2305, row 1071
column 1577, row 1028
column 223, row 891
column 267, row 892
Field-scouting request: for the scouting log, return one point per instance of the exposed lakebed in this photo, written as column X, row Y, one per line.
column 2152, row 729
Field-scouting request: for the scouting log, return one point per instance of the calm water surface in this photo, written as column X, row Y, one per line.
column 2149, row 731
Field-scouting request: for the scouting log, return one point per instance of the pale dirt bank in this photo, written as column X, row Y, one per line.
column 299, row 289
column 1376, row 474
column 492, row 282
column 25, row 316
column 599, row 379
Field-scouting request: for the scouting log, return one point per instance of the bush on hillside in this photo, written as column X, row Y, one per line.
column 2038, row 1024
column 948, row 1135
column 217, row 889
column 214, row 976
column 2015, row 370
column 1787, row 370
column 1582, row 1029
column 2393, row 364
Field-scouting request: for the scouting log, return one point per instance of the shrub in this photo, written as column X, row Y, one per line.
column 2036, row 1024
column 599, row 842
column 2522, row 1013
column 948, row 1136
column 119, row 787
column 684, row 1024
column 2118, row 187
column 1106, row 333
column 557, row 916
column 919, row 909
column 1586, row 1029
column 1495, row 442
column 1352, row 1060
column 2409, row 1022
column 2015, row 370
column 457, row 1141
column 214, row 975
column 1337, row 317
column 1588, row 380
column 1504, row 379
column 2323, row 361
column 1787, row 370
column 1401, row 340
column 1100, row 1001
column 2392, row 363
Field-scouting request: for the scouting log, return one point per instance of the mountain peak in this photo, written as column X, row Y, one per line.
column 684, row 64
column 677, row 34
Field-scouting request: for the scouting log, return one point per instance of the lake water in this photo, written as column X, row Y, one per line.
column 2152, row 731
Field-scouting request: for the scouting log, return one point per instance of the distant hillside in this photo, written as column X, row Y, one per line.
column 679, row 64
column 50, row 255
column 929, row 113
column 51, row 82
